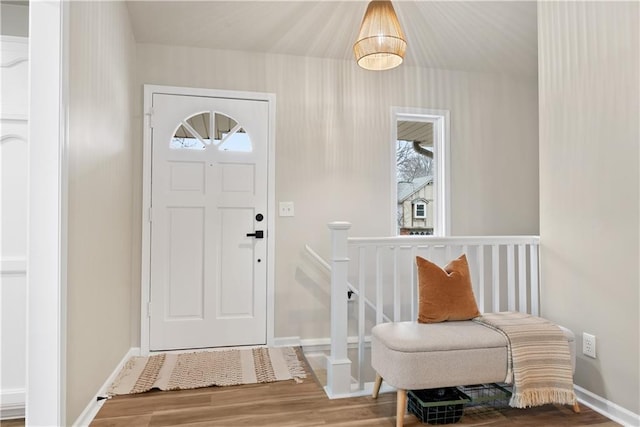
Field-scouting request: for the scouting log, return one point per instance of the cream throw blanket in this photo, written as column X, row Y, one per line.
column 538, row 356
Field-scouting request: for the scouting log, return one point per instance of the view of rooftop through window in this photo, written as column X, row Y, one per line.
column 415, row 167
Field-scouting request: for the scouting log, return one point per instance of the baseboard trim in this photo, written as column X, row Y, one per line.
column 355, row 392
column 91, row 410
column 316, row 345
column 609, row 409
column 286, row 342
column 12, row 403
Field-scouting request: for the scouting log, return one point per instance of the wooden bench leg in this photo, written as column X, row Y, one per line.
column 376, row 386
column 401, row 407
column 576, row 408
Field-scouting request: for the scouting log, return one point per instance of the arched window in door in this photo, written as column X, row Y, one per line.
column 210, row 129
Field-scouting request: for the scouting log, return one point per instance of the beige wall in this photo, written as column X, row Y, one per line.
column 589, row 186
column 100, row 197
column 333, row 155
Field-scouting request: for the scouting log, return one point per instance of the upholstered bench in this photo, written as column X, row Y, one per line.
column 412, row 355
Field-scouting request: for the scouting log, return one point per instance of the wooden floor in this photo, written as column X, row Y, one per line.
column 286, row 403
column 12, row 423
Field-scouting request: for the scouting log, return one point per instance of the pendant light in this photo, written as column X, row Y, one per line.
column 381, row 43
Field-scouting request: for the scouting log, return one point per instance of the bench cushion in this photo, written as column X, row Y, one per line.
column 461, row 335
column 412, row 355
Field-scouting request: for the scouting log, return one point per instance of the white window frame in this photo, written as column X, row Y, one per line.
column 441, row 155
column 424, row 209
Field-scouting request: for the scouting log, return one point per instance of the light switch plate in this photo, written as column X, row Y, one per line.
column 286, row 209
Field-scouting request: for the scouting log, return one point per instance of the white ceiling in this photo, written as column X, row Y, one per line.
column 484, row 36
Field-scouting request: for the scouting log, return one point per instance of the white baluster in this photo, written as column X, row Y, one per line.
column 522, row 279
column 511, row 278
column 396, row 286
column 535, row 292
column 379, row 294
column 495, row 274
column 480, row 257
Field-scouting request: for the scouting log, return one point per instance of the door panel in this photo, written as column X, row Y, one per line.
column 208, row 278
column 235, row 281
column 185, row 263
column 187, row 176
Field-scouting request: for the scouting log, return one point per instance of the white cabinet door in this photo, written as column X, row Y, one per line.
column 14, row 71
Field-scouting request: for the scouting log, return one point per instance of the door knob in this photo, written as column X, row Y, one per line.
column 259, row 234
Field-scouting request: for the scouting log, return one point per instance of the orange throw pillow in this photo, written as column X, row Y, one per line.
column 445, row 294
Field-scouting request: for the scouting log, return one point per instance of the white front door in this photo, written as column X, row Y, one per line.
column 208, row 268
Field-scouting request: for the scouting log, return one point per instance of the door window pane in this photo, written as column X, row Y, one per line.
column 208, row 128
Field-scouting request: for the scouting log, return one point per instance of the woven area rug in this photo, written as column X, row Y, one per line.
column 179, row 371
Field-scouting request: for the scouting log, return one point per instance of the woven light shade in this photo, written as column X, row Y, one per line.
column 381, row 44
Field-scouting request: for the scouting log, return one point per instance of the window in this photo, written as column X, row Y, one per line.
column 195, row 133
column 420, row 171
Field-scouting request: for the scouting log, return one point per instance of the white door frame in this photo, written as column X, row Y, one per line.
column 145, row 282
column 47, row 212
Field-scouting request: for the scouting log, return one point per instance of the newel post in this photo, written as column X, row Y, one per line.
column 338, row 363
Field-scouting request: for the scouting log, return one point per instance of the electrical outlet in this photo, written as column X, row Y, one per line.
column 589, row 345
column 286, row 209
